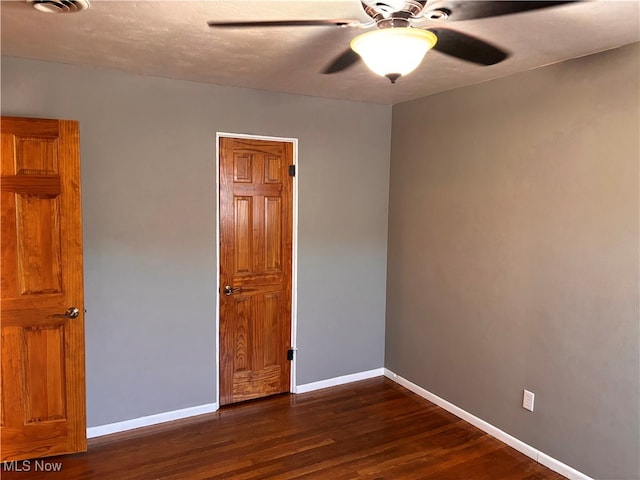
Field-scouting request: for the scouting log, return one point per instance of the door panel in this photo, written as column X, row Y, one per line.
column 255, row 259
column 42, row 385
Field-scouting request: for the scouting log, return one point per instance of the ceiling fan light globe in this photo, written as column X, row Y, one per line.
column 393, row 51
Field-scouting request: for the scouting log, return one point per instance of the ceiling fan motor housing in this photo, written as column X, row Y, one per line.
column 379, row 9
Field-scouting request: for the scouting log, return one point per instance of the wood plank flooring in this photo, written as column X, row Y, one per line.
column 373, row 429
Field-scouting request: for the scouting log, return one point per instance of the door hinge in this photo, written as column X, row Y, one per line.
column 292, row 170
column 290, row 355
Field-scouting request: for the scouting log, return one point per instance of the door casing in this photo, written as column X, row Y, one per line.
column 294, row 253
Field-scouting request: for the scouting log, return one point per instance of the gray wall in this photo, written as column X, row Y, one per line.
column 513, row 242
column 149, row 199
column 513, row 255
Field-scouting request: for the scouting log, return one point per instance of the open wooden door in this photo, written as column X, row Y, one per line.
column 42, row 408
column 256, row 212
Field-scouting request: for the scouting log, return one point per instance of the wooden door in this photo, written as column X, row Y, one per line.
column 256, row 192
column 42, row 408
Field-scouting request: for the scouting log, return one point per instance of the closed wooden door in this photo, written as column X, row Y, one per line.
column 255, row 268
column 43, row 392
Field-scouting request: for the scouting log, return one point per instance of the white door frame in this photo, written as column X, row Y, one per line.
column 294, row 253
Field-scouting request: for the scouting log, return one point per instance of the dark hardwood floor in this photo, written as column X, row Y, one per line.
column 372, row 429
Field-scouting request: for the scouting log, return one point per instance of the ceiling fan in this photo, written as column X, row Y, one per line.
column 399, row 43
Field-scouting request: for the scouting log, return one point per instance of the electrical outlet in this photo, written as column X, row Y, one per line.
column 527, row 400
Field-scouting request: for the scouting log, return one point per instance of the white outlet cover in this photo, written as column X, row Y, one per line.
column 527, row 400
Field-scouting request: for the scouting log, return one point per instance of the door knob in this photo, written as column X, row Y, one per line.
column 72, row 312
column 229, row 290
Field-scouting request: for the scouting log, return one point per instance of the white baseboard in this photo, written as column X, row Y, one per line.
column 333, row 382
column 147, row 421
column 212, row 407
column 540, row 457
column 150, row 420
column 528, row 450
